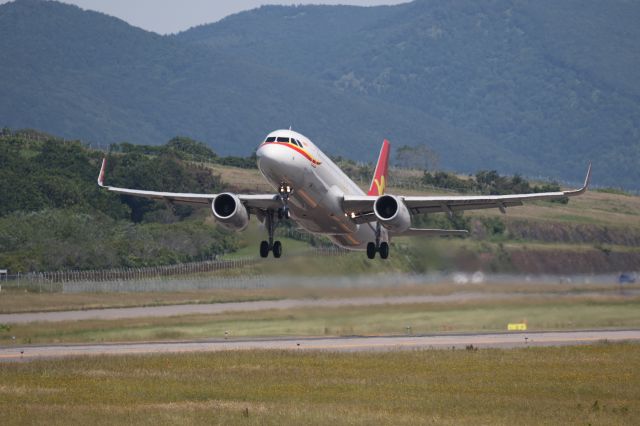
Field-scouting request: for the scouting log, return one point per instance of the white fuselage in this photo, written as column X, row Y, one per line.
column 318, row 186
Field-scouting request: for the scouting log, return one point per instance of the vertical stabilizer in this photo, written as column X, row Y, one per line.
column 381, row 176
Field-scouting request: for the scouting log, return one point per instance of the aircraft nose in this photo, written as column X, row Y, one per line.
column 262, row 152
column 269, row 155
column 274, row 158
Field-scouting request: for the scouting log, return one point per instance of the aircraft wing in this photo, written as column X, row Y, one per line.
column 251, row 201
column 360, row 207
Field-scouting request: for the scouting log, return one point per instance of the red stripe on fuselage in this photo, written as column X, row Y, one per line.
column 298, row 149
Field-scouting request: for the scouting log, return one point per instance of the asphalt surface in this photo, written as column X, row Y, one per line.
column 336, row 344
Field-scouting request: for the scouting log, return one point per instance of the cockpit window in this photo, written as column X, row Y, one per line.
column 271, row 139
column 281, row 139
column 297, row 142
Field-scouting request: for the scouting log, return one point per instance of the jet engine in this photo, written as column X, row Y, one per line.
column 230, row 212
column 392, row 213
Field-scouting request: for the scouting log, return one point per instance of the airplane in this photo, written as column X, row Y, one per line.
column 319, row 197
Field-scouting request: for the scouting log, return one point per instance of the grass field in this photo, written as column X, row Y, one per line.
column 541, row 313
column 14, row 301
column 20, row 301
column 595, row 384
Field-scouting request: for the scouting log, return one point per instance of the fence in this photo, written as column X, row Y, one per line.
column 240, row 274
column 250, row 280
column 156, row 278
column 56, row 280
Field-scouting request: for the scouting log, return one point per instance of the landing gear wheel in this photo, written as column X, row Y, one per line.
column 264, row 249
column 384, row 250
column 277, row 249
column 371, row 250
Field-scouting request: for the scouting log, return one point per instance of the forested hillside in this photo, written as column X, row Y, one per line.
column 556, row 82
column 54, row 216
column 83, row 74
column 537, row 88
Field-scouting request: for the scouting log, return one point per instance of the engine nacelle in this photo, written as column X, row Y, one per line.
column 392, row 213
column 230, row 212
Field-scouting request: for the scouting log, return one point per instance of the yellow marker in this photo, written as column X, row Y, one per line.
column 517, row 326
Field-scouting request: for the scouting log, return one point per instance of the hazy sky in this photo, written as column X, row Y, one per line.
column 170, row 16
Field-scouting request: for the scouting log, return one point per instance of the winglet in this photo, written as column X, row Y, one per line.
column 587, row 181
column 380, row 176
column 101, row 175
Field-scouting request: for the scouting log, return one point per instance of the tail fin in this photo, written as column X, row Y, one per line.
column 381, row 176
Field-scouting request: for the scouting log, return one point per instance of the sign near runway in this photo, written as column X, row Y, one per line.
column 521, row 326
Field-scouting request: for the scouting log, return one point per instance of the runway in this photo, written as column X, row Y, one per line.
column 338, row 344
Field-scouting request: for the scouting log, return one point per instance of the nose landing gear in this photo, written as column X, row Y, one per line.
column 283, row 213
column 285, row 190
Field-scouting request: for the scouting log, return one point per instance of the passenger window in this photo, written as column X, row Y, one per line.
column 281, row 139
column 271, row 139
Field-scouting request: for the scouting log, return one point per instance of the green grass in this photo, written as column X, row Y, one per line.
column 539, row 313
column 20, row 301
column 595, row 384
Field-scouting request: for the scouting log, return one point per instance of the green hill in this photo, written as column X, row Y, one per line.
column 87, row 75
column 555, row 82
column 537, row 88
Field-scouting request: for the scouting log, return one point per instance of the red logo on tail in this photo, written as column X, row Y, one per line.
column 380, row 177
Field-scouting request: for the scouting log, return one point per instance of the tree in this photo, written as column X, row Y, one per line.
column 419, row 157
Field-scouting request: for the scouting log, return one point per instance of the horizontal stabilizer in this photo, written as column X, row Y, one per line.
column 433, row 232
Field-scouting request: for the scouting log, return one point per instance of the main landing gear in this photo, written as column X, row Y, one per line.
column 283, row 213
column 378, row 247
column 267, row 246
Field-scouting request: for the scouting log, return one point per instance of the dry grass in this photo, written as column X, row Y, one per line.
column 241, row 180
column 595, row 384
column 593, row 207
